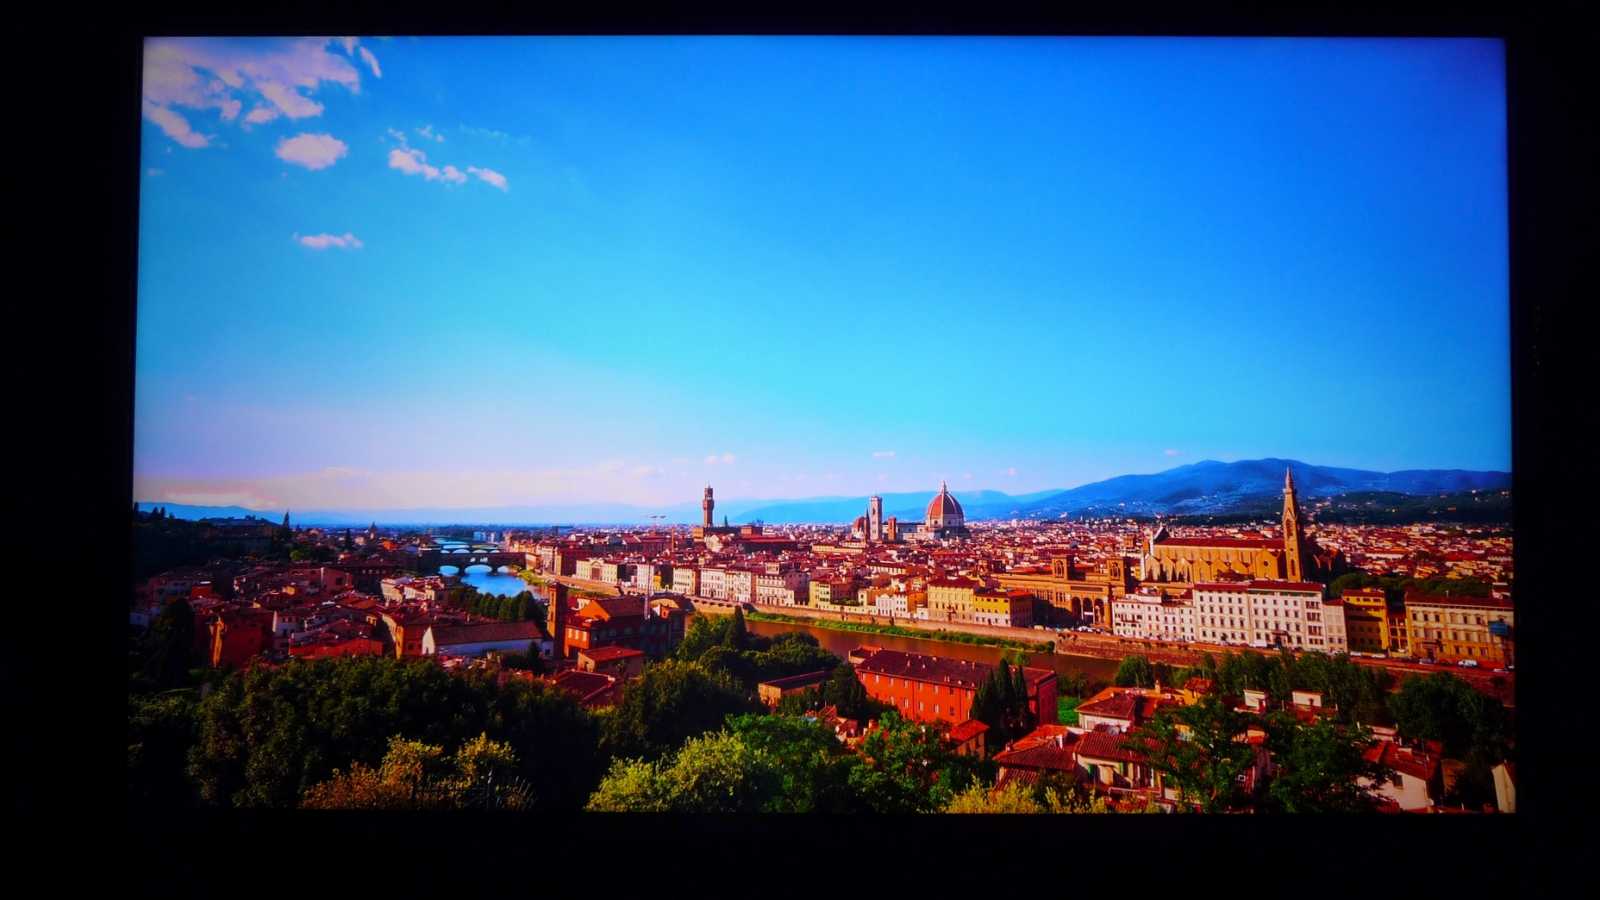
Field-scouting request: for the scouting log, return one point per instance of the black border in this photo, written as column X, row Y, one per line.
column 1552, row 241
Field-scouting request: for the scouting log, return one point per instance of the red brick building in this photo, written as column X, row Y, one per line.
column 936, row 688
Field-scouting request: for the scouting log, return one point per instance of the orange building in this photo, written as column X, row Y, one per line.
column 936, row 688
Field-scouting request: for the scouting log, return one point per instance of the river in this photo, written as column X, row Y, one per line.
column 485, row 579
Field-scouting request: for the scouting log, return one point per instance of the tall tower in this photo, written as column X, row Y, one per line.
column 706, row 506
column 1293, row 535
column 556, row 620
column 875, row 520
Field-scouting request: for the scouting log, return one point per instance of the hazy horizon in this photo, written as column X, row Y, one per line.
column 506, row 272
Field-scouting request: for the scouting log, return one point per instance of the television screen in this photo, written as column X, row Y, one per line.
column 842, row 424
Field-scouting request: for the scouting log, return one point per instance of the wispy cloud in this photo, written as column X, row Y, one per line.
column 314, row 151
column 175, row 126
column 276, row 76
column 494, row 135
column 411, row 161
column 1170, row 452
column 372, row 62
column 490, row 176
column 346, row 241
column 724, row 459
column 1011, row 472
column 428, row 132
column 883, row 454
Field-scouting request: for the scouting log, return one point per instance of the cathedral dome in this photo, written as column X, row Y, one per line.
column 943, row 510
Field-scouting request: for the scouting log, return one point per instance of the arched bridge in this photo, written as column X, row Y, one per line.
column 492, row 557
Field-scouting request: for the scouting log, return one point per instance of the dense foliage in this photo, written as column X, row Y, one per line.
column 266, row 735
column 1200, row 751
column 723, row 645
column 669, row 703
column 1471, row 726
column 759, row 763
column 1357, row 692
column 417, row 776
column 514, row 608
column 1001, row 702
column 1317, row 766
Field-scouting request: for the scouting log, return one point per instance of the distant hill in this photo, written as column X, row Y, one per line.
column 1202, row 488
column 1218, row 487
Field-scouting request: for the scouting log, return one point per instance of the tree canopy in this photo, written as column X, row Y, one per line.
column 669, row 703
column 266, row 735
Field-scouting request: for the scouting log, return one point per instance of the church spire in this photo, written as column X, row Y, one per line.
column 1293, row 537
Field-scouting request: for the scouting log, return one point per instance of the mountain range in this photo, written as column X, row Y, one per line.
column 1198, row 488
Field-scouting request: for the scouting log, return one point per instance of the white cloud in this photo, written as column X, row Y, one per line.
column 314, row 151
column 290, row 101
column 490, row 176
column 175, row 126
column 1011, row 471
column 883, row 454
column 223, row 74
column 412, row 162
column 1173, row 452
column 724, row 459
column 372, row 62
column 346, row 241
column 967, row 476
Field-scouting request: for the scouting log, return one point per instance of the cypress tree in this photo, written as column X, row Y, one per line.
column 736, row 636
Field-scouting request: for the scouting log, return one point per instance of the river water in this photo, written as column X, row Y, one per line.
column 483, row 578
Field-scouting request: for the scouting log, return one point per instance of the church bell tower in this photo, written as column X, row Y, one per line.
column 1293, row 534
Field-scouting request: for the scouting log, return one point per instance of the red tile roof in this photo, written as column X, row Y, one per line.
column 607, row 654
column 1405, row 760
column 1257, row 543
column 967, row 730
column 1046, row 747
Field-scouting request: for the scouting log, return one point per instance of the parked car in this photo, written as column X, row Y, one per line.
column 1468, row 664
column 1501, row 671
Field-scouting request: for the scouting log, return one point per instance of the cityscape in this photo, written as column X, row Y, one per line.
column 724, row 492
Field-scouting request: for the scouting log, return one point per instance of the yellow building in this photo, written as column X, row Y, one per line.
column 1366, row 620
column 952, row 600
column 1007, row 609
column 1457, row 628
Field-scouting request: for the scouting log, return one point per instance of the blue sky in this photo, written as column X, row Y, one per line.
column 467, row 272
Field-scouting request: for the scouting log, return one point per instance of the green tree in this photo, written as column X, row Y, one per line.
column 170, row 644
column 669, row 703
column 911, row 767
column 1318, row 766
column 161, row 729
column 714, row 773
column 1135, row 671
column 414, row 776
column 983, row 799
column 1199, row 750
column 266, row 735
column 1471, row 726
column 737, row 636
